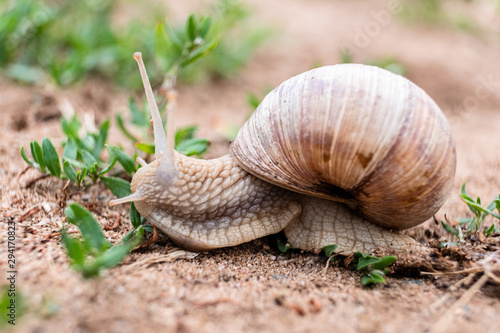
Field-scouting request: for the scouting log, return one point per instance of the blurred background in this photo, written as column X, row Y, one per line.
column 445, row 46
column 67, row 73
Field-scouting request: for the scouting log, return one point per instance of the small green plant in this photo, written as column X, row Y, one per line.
column 175, row 50
column 374, row 268
column 435, row 12
column 93, row 254
column 468, row 226
column 67, row 41
column 282, row 243
column 81, row 158
column 388, row 63
column 238, row 38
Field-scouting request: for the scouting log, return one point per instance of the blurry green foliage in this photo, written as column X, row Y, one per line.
column 436, row 12
column 388, row 63
column 68, row 41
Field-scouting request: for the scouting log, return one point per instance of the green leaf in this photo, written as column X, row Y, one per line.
column 112, row 256
column 112, row 160
column 69, row 171
column 448, row 228
column 135, row 217
column 490, row 230
column 366, row 280
column 185, row 133
column 330, row 249
column 70, row 149
column 118, row 186
column 71, row 127
column 75, row 163
column 204, row 25
column 191, row 27
column 126, row 161
column 253, row 101
column 36, row 152
column 176, row 41
column 464, row 220
column 80, row 175
column 88, row 159
column 193, row 146
column 464, row 193
column 51, row 158
column 94, row 171
column 92, row 234
column 162, row 46
column 24, row 73
column 373, row 278
column 74, row 248
column 140, row 117
column 121, row 126
column 476, row 208
column 147, row 227
column 377, row 277
column 148, row 148
column 282, row 245
column 365, row 261
column 101, row 138
column 384, row 262
column 25, row 158
column 202, row 51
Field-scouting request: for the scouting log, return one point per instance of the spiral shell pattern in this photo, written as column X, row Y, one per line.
column 357, row 134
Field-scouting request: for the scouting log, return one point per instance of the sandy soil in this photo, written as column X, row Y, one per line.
column 253, row 287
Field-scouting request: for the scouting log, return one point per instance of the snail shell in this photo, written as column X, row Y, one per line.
column 356, row 134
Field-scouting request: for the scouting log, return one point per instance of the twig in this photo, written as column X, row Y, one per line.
column 117, row 222
column 152, row 240
column 442, row 324
column 215, row 302
column 33, row 210
column 464, row 271
column 33, row 181
column 173, row 254
column 58, row 233
column 323, row 271
column 23, row 172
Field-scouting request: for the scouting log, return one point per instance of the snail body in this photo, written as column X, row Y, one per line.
column 336, row 155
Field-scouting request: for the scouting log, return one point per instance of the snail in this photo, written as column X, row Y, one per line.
column 340, row 154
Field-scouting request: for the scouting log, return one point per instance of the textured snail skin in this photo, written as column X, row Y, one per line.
column 337, row 155
column 215, row 203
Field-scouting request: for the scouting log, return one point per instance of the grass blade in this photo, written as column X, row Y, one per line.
column 91, row 230
column 74, row 248
column 126, row 161
column 118, row 186
column 101, row 139
column 135, row 217
column 36, row 152
column 69, row 171
column 330, row 249
column 25, row 158
column 51, row 158
column 70, row 149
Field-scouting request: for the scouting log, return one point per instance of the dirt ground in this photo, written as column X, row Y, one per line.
column 253, row 287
